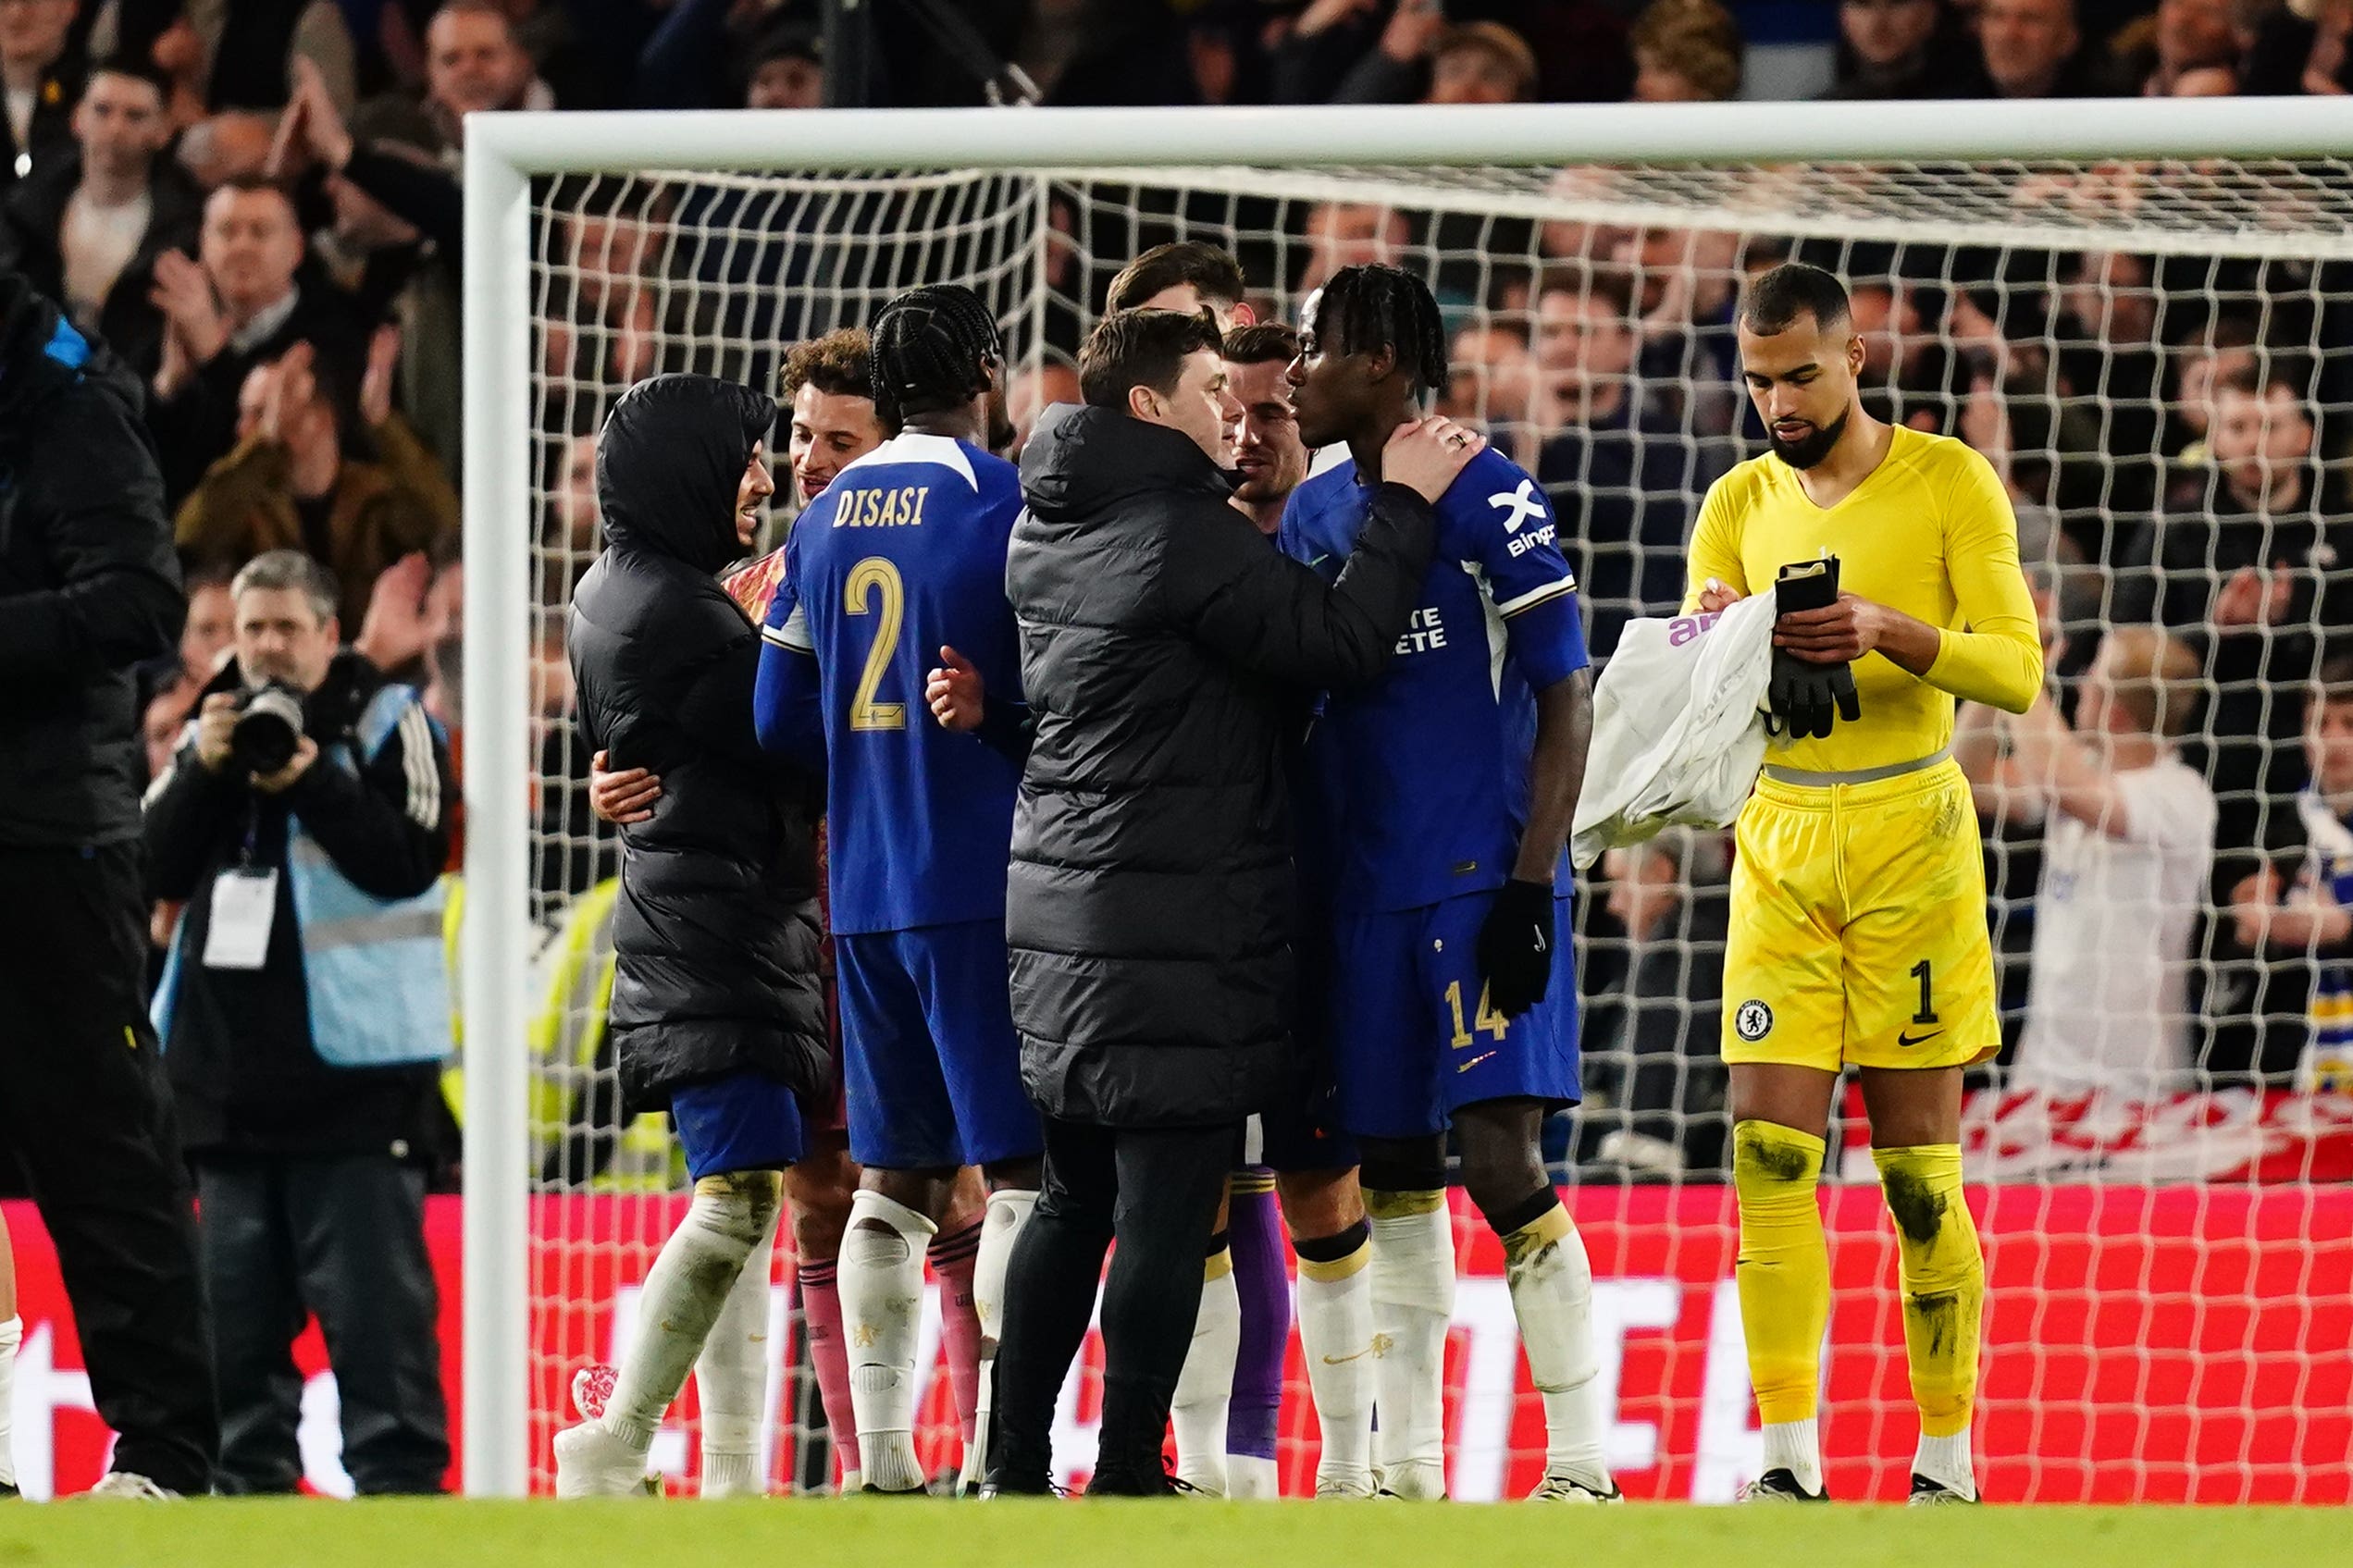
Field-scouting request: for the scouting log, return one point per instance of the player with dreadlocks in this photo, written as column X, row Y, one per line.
column 1440, row 797
column 904, row 554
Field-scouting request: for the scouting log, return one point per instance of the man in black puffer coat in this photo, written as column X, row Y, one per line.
column 717, row 1013
column 1166, row 654
column 89, row 590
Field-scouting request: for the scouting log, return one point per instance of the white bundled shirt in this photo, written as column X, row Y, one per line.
column 1678, row 733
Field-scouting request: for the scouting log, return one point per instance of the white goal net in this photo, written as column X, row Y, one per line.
column 2156, row 354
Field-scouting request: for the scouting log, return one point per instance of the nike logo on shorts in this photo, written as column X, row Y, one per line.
column 1903, row 1039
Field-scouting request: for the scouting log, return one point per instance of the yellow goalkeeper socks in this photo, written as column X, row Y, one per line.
column 1784, row 1278
column 1944, row 1295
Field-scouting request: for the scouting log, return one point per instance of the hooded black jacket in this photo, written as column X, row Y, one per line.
column 716, row 928
column 89, row 585
column 1167, row 651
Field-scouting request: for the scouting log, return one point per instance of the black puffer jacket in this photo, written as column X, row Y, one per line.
column 716, row 928
column 1166, row 651
column 89, row 585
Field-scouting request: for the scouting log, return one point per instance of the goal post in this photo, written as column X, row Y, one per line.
column 2258, row 180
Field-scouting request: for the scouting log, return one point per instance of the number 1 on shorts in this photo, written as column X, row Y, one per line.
column 1928, row 1013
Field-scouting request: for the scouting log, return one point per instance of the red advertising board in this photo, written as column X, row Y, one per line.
column 2191, row 1343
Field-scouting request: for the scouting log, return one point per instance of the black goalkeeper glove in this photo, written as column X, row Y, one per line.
column 1516, row 947
column 1808, row 698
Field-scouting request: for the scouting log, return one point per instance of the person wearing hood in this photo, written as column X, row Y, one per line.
column 716, row 1016
column 88, row 591
column 1167, row 657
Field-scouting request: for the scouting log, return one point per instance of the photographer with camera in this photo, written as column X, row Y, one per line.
column 305, row 1008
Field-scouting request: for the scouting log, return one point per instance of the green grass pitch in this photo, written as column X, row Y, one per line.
column 777, row 1534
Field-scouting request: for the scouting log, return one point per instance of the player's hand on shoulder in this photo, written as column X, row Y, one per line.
column 621, row 797
column 956, row 693
column 1426, row 454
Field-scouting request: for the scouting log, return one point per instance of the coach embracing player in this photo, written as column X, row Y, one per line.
column 1164, row 651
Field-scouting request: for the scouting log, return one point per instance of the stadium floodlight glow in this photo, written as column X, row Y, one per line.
column 758, row 226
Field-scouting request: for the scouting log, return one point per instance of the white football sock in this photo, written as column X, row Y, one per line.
column 1948, row 1461
column 1413, row 1305
column 882, row 1308
column 684, row 1292
column 731, row 1376
column 731, row 1474
column 1000, row 1227
column 1552, row 1289
column 1795, row 1446
column 1249, row 1478
column 1205, row 1389
column 11, row 1334
column 1335, row 1334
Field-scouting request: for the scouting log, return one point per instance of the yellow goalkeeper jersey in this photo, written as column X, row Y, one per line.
column 1930, row 533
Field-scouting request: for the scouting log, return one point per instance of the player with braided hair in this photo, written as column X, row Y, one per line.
column 1389, row 305
column 1439, row 800
column 936, row 347
column 902, row 554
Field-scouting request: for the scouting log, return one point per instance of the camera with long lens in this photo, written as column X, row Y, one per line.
column 269, row 727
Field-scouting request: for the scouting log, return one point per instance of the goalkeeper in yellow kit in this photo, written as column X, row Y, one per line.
column 1858, row 934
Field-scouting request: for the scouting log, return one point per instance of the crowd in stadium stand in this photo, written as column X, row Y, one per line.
column 257, row 203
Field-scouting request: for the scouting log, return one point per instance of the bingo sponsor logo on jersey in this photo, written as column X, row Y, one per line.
column 1520, row 506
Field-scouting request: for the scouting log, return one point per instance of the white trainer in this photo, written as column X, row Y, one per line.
column 1416, row 1480
column 125, row 1485
column 591, row 1462
column 1574, row 1488
column 1344, row 1486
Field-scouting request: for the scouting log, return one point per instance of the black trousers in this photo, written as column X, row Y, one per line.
column 1154, row 1191
column 343, row 1240
column 87, row 1106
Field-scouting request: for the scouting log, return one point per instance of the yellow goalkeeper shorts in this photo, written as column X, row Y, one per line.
column 1858, row 930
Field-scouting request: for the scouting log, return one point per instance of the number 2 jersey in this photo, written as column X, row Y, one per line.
column 902, row 554
column 1419, row 782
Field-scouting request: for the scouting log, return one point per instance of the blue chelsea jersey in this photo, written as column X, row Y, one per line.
column 1418, row 783
column 905, row 552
